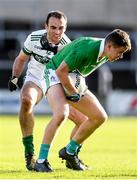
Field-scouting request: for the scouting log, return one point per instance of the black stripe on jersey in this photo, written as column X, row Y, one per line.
column 63, row 41
column 35, row 37
column 26, row 51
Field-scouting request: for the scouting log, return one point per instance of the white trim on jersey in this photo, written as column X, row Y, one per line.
column 38, row 57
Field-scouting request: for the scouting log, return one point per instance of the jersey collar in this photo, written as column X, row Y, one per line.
column 101, row 49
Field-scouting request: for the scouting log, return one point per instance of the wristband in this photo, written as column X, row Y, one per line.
column 14, row 79
column 75, row 97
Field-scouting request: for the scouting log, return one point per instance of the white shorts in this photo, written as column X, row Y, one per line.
column 39, row 81
column 51, row 78
column 78, row 81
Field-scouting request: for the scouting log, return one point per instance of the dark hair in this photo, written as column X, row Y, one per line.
column 119, row 38
column 56, row 14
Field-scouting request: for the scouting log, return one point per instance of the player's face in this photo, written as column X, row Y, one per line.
column 115, row 53
column 55, row 29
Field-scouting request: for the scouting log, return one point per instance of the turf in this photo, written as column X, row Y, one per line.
column 111, row 151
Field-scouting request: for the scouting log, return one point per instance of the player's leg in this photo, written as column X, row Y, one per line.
column 90, row 106
column 60, row 108
column 30, row 95
column 77, row 117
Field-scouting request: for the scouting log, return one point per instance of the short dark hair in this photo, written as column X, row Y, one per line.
column 119, row 38
column 56, row 14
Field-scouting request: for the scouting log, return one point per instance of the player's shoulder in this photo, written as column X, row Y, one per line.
column 36, row 35
column 65, row 39
column 38, row 32
column 89, row 40
column 96, row 39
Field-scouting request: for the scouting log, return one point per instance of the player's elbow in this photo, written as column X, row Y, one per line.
column 62, row 71
column 103, row 118
column 58, row 73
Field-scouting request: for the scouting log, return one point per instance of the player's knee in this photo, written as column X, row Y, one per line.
column 59, row 119
column 102, row 118
column 61, row 115
column 77, row 117
column 26, row 102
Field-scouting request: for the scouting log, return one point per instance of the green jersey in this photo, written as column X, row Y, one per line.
column 80, row 55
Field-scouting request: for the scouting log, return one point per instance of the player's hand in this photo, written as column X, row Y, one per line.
column 12, row 84
column 48, row 46
column 75, row 97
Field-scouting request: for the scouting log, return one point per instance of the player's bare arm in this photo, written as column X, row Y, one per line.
column 17, row 70
column 63, row 74
column 67, row 82
column 19, row 64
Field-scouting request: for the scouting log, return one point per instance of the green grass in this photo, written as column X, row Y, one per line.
column 111, row 151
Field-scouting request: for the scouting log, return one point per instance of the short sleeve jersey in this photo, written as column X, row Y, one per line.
column 38, row 56
column 32, row 47
column 81, row 55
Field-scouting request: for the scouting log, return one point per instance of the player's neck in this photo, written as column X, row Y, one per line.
column 102, row 56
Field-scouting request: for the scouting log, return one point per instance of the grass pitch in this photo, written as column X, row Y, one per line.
column 111, row 151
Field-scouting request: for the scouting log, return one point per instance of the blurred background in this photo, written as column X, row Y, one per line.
column 115, row 84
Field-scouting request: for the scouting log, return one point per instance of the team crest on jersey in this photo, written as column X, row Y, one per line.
column 53, row 78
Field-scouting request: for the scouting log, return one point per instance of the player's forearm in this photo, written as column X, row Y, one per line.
column 63, row 74
column 68, row 85
column 18, row 68
column 66, row 82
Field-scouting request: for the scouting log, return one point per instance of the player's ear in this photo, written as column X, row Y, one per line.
column 46, row 26
column 65, row 28
column 109, row 45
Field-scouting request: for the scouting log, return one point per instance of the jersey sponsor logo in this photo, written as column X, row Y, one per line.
column 41, row 59
column 37, row 47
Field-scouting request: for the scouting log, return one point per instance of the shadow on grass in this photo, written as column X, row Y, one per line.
column 10, row 171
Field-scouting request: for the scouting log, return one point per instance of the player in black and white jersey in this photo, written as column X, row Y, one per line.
column 35, row 53
column 34, row 47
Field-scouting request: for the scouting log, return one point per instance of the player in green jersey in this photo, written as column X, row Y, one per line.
column 82, row 56
column 35, row 54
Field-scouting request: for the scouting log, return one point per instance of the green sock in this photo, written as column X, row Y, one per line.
column 44, row 150
column 28, row 144
column 72, row 147
column 79, row 148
